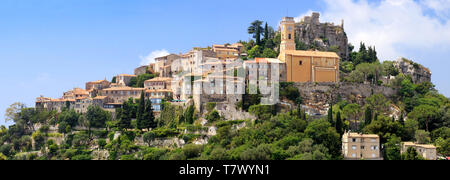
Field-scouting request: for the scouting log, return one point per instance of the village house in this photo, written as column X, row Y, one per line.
column 361, row 146
column 427, row 151
column 163, row 65
column 97, row 85
column 305, row 66
column 49, row 104
column 124, row 79
column 76, row 93
column 227, row 51
column 158, row 83
column 121, row 94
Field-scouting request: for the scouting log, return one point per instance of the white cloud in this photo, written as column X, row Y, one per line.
column 391, row 25
column 150, row 58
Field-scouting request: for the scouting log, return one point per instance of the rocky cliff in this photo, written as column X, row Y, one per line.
column 323, row 36
column 417, row 72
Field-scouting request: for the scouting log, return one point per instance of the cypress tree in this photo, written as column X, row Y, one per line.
column 141, row 112
column 149, row 117
column 368, row 116
column 330, row 115
column 339, row 123
column 266, row 32
column 125, row 117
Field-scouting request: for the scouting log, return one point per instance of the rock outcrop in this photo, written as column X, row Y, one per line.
column 318, row 96
column 417, row 72
column 324, row 36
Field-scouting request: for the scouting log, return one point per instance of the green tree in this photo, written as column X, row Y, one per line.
column 367, row 116
column 411, row 154
column 322, row 133
column 256, row 30
column 352, row 111
column 255, row 52
column 97, row 117
column 268, row 53
column 141, row 112
column 330, row 115
column 422, row 137
column 392, row 148
column 426, row 115
column 149, row 117
column 339, row 124
column 125, row 116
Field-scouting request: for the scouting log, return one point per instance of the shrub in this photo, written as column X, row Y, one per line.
column 192, row 151
column 82, row 157
column 213, row 116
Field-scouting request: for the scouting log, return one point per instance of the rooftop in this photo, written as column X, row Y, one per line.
column 312, row 53
column 427, row 146
column 125, row 88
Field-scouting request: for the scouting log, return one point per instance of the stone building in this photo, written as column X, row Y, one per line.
column 305, row 66
column 227, row 51
column 99, row 85
column 427, row 151
column 324, row 36
column 361, row 146
column 121, row 94
column 124, row 79
column 158, row 83
column 163, row 65
column 76, row 93
column 141, row 70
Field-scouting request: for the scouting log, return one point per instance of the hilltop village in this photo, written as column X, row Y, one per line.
column 299, row 93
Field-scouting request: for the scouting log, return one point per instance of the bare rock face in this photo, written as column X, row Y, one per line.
column 324, row 36
column 418, row 73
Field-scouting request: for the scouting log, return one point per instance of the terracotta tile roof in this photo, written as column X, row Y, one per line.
column 125, row 88
column 351, row 135
column 263, row 60
column 312, row 53
column 129, row 75
column 428, row 146
column 158, row 79
column 100, row 97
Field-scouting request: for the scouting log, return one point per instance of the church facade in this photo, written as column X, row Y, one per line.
column 305, row 66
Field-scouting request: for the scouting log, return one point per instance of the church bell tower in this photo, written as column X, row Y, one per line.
column 287, row 34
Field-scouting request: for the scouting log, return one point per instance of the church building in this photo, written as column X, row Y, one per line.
column 305, row 66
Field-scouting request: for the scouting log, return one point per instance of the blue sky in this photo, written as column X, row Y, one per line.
column 50, row 46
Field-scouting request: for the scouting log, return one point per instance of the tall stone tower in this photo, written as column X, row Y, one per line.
column 287, row 34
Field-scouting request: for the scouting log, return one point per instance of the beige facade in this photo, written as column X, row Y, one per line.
column 428, row 151
column 122, row 94
column 158, row 83
column 306, row 66
column 361, row 146
column 97, row 85
column 76, row 93
column 163, row 65
column 227, row 51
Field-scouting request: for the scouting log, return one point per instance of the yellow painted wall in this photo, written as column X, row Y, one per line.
column 324, row 75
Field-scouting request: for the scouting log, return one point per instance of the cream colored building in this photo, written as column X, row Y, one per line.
column 428, row 151
column 158, row 83
column 121, row 94
column 361, row 146
column 227, row 51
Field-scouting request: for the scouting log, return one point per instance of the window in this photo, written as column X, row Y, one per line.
column 362, row 147
column 354, row 140
column 354, row 147
column 354, row 155
column 300, row 63
column 374, row 155
column 290, row 36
